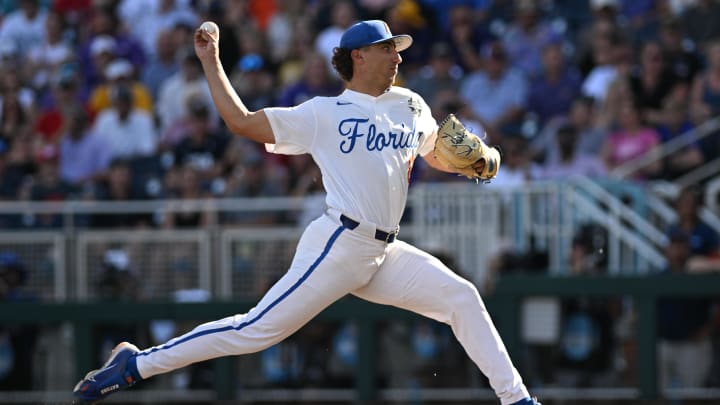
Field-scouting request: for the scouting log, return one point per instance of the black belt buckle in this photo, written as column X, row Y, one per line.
column 387, row 237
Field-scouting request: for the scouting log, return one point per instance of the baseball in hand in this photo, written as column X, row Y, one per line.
column 211, row 28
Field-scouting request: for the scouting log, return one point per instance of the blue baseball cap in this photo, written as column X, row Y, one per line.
column 372, row 32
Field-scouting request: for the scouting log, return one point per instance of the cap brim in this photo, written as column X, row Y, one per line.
column 402, row 42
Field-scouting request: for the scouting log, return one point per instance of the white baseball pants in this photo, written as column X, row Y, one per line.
column 330, row 262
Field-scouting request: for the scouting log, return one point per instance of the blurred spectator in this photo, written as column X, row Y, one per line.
column 642, row 17
column 20, row 166
column 120, row 72
column 291, row 69
column 106, row 41
column 185, row 183
column 105, row 23
column 518, row 168
column 84, row 156
column 17, row 342
column 343, row 15
column 700, row 21
column 13, row 84
column 146, row 19
column 6, row 188
column 556, row 86
column 589, row 250
column 251, row 179
column 439, row 74
column 161, row 65
column 73, row 11
column 676, row 123
column 652, row 81
column 612, row 57
column 466, row 37
column 605, row 22
column 64, row 93
column 201, row 147
column 127, row 131
column 681, row 56
column 174, row 91
column 46, row 57
column 407, row 16
column 571, row 162
column 16, row 111
column 632, row 139
column 281, row 28
column 496, row 94
column 117, row 280
column 316, row 81
column 705, row 94
column 24, row 28
column 253, row 82
column 477, row 10
column 47, row 185
column 684, row 325
column 101, row 52
column 590, row 134
column 702, row 239
column 526, row 37
column 591, row 335
column 118, row 186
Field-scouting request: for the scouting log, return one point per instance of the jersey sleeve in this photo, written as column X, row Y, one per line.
column 294, row 128
column 428, row 126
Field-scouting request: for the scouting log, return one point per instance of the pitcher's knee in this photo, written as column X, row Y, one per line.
column 463, row 297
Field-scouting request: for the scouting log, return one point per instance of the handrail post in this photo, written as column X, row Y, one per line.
column 365, row 374
column 82, row 331
column 225, row 377
column 647, row 344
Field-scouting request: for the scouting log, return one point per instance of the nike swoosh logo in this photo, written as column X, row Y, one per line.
column 343, row 103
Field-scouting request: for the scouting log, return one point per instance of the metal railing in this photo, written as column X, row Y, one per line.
column 470, row 223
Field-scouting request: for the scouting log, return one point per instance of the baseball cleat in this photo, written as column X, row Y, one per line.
column 528, row 401
column 110, row 378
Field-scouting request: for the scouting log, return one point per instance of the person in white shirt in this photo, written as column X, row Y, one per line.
column 128, row 131
column 25, row 27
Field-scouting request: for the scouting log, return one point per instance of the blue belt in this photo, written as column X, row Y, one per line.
column 387, row 237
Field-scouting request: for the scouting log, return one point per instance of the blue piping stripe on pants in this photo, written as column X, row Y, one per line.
column 297, row 284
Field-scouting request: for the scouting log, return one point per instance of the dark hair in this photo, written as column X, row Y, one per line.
column 342, row 62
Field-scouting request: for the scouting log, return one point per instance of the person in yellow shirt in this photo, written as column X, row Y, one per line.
column 120, row 71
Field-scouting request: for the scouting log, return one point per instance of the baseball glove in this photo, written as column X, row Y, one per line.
column 459, row 149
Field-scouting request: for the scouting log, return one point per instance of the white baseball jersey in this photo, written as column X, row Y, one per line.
column 364, row 146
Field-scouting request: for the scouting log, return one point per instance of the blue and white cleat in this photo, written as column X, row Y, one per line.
column 528, row 401
column 113, row 376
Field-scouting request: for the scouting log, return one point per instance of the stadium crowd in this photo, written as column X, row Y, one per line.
column 105, row 100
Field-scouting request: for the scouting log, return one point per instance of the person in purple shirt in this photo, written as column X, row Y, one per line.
column 315, row 81
column 526, row 36
column 572, row 162
column 84, row 156
column 553, row 92
column 105, row 22
column 676, row 123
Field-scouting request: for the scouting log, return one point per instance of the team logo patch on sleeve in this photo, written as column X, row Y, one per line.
column 414, row 105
